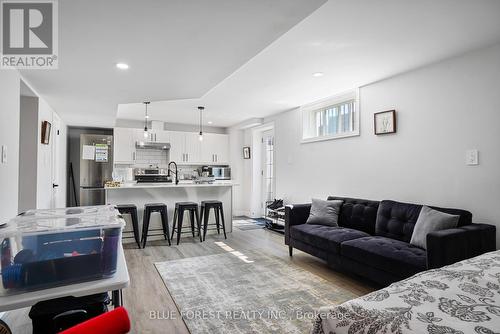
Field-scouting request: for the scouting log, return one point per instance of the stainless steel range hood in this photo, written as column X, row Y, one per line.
column 152, row 145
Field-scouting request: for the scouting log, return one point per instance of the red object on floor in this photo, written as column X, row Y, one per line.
column 113, row 322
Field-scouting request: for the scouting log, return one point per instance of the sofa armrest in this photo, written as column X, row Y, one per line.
column 295, row 214
column 452, row 245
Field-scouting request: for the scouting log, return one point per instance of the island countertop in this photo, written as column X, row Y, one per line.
column 140, row 194
column 182, row 184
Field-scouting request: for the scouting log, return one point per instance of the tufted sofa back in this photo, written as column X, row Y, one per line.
column 358, row 214
column 396, row 220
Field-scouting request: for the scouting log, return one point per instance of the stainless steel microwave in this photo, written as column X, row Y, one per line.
column 220, row 173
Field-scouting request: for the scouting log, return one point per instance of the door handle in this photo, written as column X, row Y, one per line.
column 54, row 185
column 216, row 158
column 133, row 156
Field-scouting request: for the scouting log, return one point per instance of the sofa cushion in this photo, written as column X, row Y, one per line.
column 324, row 212
column 358, row 214
column 393, row 256
column 396, row 220
column 430, row 220
column 324, row 237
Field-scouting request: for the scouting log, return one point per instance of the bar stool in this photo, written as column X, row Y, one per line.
column 180, row 207
column 148, row 210
column 131, row 209
column 218, row 211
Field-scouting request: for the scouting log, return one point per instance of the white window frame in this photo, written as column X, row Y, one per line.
column 307, row 110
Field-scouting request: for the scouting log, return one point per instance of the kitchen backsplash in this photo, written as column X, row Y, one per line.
column 145, row 158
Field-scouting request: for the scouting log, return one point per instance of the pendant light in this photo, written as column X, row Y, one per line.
column 201, row 123
column 146, row 116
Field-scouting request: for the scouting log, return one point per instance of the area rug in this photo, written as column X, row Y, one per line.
column 245, row 224
column 247, row 292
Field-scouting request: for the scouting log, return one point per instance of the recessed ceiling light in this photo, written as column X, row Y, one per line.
column 210, row 122
column 122, row 66
column 318, row 74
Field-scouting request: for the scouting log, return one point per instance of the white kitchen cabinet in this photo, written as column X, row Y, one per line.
column 221, row 149
column 124, row 145
column 162, row 136
column 177, row 146
column 215, row 149
column 207, row 152
column 193, row 147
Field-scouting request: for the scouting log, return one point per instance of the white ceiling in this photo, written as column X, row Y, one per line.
column 176, row 49
column 354, row 42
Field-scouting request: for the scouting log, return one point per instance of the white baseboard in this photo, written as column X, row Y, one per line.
column 241, row 213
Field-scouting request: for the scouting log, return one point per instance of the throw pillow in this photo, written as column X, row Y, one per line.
column 430, row 220
column 324, row 212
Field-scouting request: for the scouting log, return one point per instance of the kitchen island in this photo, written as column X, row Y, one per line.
column 170, row 193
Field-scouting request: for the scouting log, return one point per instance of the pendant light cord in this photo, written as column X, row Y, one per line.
column 201, row 120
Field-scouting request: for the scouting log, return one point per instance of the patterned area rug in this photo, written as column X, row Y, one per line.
column 247, row 293
column 245, row 223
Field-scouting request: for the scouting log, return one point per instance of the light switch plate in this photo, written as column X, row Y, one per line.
column 4, row 154
column 472, row 157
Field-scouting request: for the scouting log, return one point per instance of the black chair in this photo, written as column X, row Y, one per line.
column 180, row 208
column 131, row 209
column 148, row 210
column 219, row 215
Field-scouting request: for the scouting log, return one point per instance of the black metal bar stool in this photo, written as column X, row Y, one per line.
column 148, row 210
column 180, row 207
column 131, row 209
column 219, row 213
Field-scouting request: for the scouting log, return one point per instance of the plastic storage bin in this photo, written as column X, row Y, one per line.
column 45, row 248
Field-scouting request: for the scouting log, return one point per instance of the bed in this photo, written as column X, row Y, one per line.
column 460, row 298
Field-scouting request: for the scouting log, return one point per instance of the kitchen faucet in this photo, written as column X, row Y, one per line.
column 175, row 172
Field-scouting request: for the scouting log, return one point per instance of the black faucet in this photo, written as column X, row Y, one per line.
column 176, row 171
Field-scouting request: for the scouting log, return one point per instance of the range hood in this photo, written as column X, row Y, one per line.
column 152, row 145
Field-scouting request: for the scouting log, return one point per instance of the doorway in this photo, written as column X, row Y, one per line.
column 268, row 183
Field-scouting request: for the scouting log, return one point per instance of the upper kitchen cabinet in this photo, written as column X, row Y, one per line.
column 215, row 149
column 177, row 146
column 184, row 147
column 124, row 145
column 193, row 148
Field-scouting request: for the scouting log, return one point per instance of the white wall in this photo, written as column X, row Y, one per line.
column 28, row 147
column 442, row 109
column 9, row 136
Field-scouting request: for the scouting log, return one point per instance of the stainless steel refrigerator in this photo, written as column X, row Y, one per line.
column 96, row 167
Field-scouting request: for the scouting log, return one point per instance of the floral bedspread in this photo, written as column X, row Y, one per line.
column 461, row 298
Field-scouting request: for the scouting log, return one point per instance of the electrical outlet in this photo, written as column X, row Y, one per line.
column 4, row 154
column 472, row 157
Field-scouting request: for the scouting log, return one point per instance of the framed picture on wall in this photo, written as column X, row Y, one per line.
column 246, row 152
column 385, row 122
column 46, row 126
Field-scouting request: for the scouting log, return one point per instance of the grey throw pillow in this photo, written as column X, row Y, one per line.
column 324, row 212
column 430, row 220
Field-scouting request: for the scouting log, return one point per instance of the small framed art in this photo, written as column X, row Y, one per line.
column 385, row 122
column 46, row 126
column 246, row 152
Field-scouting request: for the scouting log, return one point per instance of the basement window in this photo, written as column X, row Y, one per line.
column 335, row 117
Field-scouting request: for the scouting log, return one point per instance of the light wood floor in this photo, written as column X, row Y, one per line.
column 148, row 293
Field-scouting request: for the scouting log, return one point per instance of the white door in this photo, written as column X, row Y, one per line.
column 267, row 169
column 124, row 145
column 177, row 146
column 58, row 199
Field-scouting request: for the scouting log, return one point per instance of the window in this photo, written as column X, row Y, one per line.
column 336, row 117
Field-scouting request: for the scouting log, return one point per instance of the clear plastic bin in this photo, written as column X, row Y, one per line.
column 45, row 248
